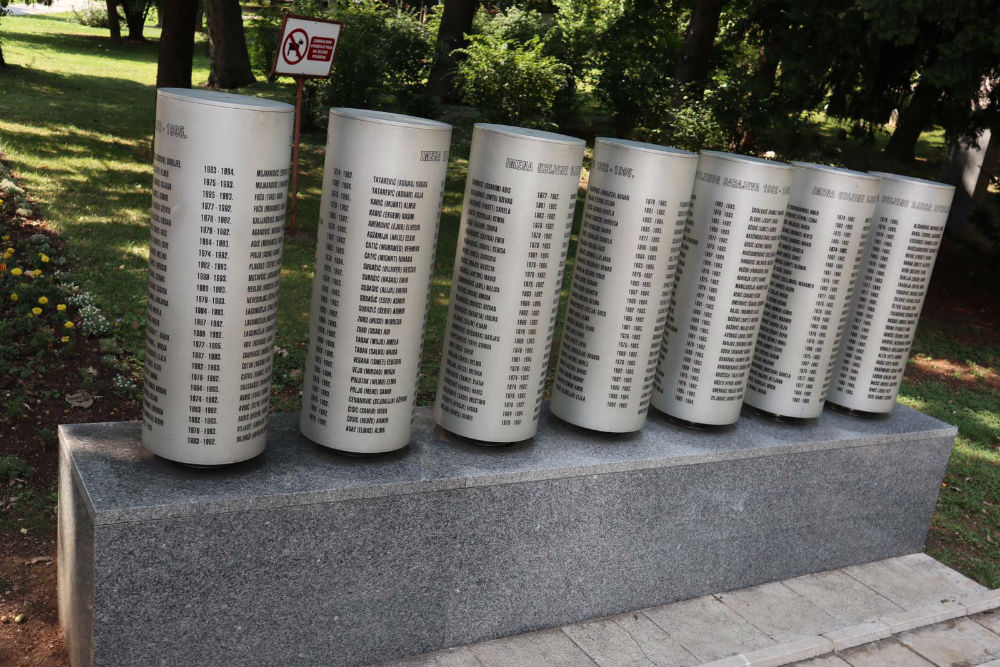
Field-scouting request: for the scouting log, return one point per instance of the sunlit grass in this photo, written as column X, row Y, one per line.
column 965, row 532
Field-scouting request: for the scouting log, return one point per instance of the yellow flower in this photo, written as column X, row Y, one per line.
column 43, row 257
column 6, row 237
column 65, row 339
column 69, row 325
column 35, row 273
column 43, row 300
column 36, row 310
column 61, row 307
column 16, row 272
column 14, row 297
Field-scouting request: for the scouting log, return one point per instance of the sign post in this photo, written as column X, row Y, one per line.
column 305, row 51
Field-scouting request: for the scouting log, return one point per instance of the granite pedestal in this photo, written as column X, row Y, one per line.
column 304, row 556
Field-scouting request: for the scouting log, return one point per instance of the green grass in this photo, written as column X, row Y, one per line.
column 833, row 141
column 76, row 118
column 965, row 532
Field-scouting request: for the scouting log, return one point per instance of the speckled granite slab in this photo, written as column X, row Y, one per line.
column 304, row 556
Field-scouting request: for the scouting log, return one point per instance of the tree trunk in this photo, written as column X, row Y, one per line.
column 455, row 23
column 114, row 24
column 135, row 19
column 970, row 168
column 227, row 44
column 837, row 104
column 761, row 86
column 692, row 68
column 173, row 66
column 912, row 121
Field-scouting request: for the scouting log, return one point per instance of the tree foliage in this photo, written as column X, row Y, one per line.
column 736, row 74
column 511, row 83
column 382, row 62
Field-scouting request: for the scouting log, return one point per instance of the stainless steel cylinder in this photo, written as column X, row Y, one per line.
column 738, row 206
column 906, row 232
column 827, row 221
column 382, row 190
column 517, row 218
column 638, row 202
column 220, row 187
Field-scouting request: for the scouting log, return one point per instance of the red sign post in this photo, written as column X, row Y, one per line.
column 305, row 51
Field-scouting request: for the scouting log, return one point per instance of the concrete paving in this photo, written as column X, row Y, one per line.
column 960, row 641
column 919, row 612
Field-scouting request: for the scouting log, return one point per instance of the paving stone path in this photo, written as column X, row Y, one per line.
column 910, row 611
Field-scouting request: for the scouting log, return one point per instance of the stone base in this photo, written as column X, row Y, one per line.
column 304, row 556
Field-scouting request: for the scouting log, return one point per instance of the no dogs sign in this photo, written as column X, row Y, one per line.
column 306, row 47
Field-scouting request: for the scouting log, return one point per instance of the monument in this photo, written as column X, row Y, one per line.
column 305, row 557
column 907, row 226
column 220, row 186
column 827, row 221
column 723, row 274
column 517, row 217
column 383, row 185
column 638, row 201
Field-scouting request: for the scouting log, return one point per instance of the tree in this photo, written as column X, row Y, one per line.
column 114, row 21
column 639, row 48
column 456, row 23
column 3, row 12
column 135, row 18
column 174, row 59
column 947, row 49
column 914, row 117
column 693, row 66
column 230, row 66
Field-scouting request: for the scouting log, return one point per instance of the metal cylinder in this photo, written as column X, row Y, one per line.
column 723, row 272
column 638, row 201
column 517, row 218
column 906, row 231
column 383, row 185
column 220, row 187
column 827, row 221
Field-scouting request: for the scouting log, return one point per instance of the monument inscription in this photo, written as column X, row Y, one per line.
column 520, row 196
column 907, row 227
column 383, row 186
column 723, row 273
column 220, row 184
column 822, row 240
column 638, row 202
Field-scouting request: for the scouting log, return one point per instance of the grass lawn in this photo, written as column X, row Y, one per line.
column 76, row 118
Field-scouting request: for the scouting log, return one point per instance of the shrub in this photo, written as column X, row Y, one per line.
column 515, row 25
column 640, row 53
column 262, row 32
column 92, row 15
column 682, row 123
column 381, row 63
column 511, row 83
